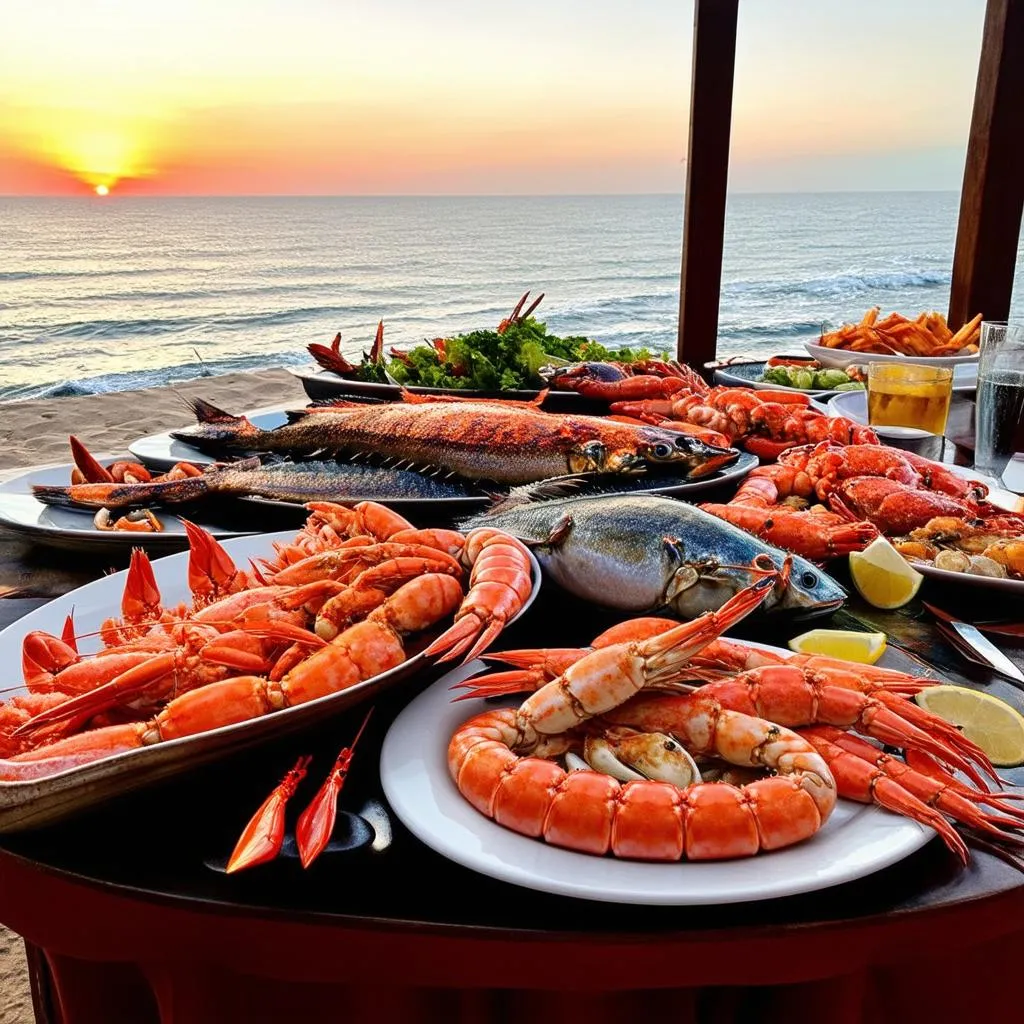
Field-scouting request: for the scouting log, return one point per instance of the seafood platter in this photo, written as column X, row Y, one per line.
column 77, row 530
column 170, row 664
column 453, row 455
column 586, row 770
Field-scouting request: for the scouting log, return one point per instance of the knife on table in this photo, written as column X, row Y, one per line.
column 974, row 639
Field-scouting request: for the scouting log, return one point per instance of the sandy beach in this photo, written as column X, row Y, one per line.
column 36, row 432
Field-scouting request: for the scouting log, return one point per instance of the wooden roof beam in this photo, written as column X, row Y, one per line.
column 992, row 199
column 707, row 176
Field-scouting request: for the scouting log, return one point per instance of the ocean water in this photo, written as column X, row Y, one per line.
column 101, row 295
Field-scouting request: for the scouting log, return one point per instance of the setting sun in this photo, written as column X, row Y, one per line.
column 102, row 190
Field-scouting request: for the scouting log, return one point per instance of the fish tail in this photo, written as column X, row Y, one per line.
column 116, row 496
column 216, row 480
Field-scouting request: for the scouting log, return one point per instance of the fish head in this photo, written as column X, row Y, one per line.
column 683, row 451
column 809, row 591
column 692, row 587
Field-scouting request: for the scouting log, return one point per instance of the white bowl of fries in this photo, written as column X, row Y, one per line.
column 895, row 338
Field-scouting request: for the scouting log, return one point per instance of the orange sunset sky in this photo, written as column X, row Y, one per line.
column 460, row 97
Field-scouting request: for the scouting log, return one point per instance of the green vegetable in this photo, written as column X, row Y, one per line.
column 853, row 385
column 489, row 361
column 830, row 378
column 777, row 375
column 803, row 379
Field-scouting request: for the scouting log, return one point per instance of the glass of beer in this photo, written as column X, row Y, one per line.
column 909, row 395
column 999, row 409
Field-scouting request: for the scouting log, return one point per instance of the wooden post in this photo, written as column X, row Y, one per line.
column 707, row 175
column 993, row 191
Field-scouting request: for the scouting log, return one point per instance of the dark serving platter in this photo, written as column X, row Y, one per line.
column 322, row 384
column 673, row 485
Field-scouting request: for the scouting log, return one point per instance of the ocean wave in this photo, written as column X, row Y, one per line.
column 32, row 275
column 788, row 329
column 841, row 284
column 131, row 380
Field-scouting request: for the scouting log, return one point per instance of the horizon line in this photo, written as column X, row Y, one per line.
column 462, row 195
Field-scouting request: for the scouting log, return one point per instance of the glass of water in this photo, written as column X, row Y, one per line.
column 999, row 410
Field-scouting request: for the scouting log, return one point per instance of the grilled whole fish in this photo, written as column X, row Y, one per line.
column 283, row 481
column 504, row 443
column 641, row 553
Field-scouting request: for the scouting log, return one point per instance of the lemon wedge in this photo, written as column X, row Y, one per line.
column 990, row 722
column 847, row 644
column 882, row 576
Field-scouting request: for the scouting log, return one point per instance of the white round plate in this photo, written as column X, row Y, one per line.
column 857, row 840
column 73, row 529
column 30, row 803
column 161, row 451
column 969, row 579
column 843, row 357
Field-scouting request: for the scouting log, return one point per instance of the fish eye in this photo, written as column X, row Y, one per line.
column 662, row 451
column 809, row 579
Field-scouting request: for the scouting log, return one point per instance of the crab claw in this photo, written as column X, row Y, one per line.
column 211, row 570
column 141, row 599
column 316, row 823
column 43, row 656
column 67, row 634
column 262, row 837
column 92, row 472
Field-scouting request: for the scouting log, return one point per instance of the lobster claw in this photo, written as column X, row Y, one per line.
column 316, row 823
column 262, row 838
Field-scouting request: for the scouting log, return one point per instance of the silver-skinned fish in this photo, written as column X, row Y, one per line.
column 641, row 553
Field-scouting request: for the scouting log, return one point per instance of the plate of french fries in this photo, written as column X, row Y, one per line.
column 896, row 337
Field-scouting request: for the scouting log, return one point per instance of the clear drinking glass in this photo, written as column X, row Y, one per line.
column 999, row 409
column 909, row 395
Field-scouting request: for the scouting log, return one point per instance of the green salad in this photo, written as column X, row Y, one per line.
column 809, row 379
column 489, row 361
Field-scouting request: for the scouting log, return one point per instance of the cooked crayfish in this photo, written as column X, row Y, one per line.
column 819, row 697
column 619, row 382
column 766, row 423
column 185, row 665
column 865, row 489
column 489, row 759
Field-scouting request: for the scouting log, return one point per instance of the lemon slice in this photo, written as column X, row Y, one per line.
column 847, row 644
column 990, row 722
column 882, row 576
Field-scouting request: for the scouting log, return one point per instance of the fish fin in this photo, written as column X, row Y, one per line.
column 412, row 398
column 249, row 463
column 559, row 533
column 542, row 490
column 207, row 412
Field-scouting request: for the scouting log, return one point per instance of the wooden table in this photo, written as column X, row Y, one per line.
column 124, row 922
